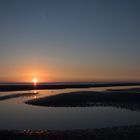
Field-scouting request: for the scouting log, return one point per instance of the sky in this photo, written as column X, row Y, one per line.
column 69, row 40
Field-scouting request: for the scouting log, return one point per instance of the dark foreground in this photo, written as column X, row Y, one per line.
column 115, row 133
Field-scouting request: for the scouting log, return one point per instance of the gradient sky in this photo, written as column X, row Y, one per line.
column 69, row 40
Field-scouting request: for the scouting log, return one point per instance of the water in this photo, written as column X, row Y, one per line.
column 15, row 114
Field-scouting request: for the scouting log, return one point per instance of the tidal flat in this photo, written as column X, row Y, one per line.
column 124, row 98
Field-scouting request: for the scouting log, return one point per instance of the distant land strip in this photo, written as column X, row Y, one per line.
column 42, row 86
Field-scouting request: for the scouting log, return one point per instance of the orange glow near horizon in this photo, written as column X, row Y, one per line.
column 34, row 73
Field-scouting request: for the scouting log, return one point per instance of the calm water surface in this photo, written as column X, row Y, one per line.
column 15, row 114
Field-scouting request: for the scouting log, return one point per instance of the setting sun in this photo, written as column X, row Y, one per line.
column 35, row 81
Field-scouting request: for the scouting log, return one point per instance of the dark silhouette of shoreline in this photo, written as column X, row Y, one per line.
column 22, row 87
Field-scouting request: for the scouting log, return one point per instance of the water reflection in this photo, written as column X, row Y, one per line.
column 17, row 95
column 133, row 106
column 36, row 117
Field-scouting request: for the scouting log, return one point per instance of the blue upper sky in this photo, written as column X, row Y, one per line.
column 69, row 40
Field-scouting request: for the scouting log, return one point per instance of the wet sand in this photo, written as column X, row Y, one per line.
column 115, row 133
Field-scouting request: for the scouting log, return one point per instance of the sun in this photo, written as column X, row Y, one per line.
column 34, row 81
